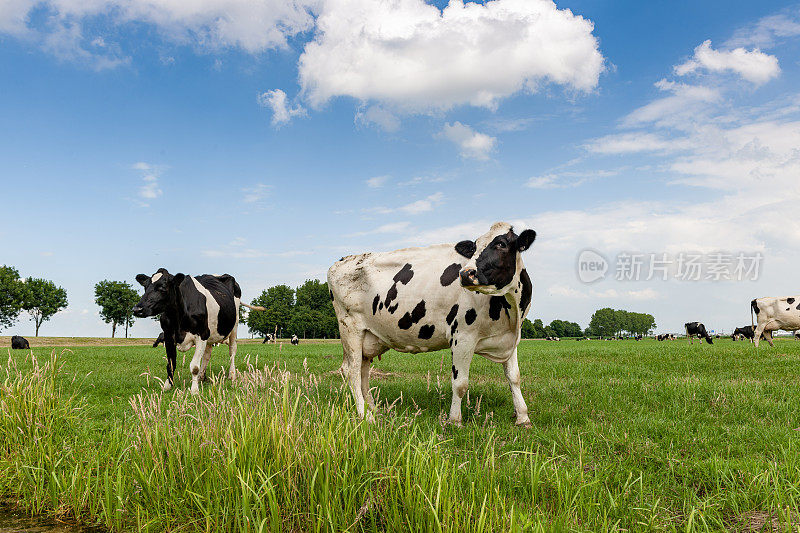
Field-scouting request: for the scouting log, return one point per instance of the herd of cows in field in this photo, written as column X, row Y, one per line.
column 470, row 297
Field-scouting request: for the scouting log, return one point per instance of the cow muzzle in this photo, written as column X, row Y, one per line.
column 138, row 311
column 469, row 278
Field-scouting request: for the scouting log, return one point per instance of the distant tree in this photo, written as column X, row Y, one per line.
column 528, row 331
column 11, row 294
column 572, row 329
column 279, row 301
column 42, row 299
column 304, row 322
column 604, row 322
column 538, row 329
column 116, row 300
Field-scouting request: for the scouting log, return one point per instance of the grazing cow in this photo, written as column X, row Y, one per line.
column 773, row 314
column 19, row 343
column 797, row 336
column 268, row 338
column 470, row 297
column 295, row 341
column 199, row 310
column 745, row 332
column 698, row 329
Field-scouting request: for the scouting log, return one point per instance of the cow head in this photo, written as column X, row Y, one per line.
column 494, row 259
column 159, row 291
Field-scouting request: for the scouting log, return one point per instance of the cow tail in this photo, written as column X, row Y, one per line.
column 752, row 320
column 254, row 307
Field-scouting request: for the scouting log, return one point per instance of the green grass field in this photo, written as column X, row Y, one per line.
column 626, row 436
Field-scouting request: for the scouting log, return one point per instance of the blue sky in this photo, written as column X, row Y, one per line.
column 267, row 139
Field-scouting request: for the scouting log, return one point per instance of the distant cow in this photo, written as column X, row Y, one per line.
column 745, row 332
column 697, row 329
column 295, row 341
column 268, row 338
column 201, row 310
column 19, row 343
column 471, row 297
column 773, row 314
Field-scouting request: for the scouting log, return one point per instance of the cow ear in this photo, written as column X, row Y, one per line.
column 525, row 239
column 178, row 278
column 143, row 280
column 466, row 248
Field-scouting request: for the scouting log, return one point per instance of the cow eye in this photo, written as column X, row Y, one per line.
column 500, row 245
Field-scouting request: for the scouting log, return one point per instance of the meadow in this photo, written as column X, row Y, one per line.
column 625, row 436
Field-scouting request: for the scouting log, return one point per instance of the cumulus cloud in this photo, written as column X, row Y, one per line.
column 282, row 111
column 472, row 144
column 413, row 56
column 754, row 65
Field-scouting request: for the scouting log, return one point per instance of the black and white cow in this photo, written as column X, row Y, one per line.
column 773, row 314
column 745, row 332
column 471, row 297
column 195, row 310
column 697, row 329
column 19, row 343
column 295, row 341
column 268, row 338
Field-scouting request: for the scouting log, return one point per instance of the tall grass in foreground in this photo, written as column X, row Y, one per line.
column 274, row 454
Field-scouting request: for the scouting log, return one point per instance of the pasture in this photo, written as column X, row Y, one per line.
column 625, row 436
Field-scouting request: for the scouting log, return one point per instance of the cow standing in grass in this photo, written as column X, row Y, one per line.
column 773, row 314
column 471, row 297
column 699, row 330
column 200, row 311
column 19, row 343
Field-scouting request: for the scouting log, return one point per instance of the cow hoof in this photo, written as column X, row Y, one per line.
column 167, row 386
column 524, row 424
column 455, row 423
column 232, row 375
column 195, row 389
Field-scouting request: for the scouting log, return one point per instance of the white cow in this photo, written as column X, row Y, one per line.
column 774, row 314
column 471, row 296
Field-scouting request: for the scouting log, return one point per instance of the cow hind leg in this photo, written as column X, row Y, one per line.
column 366, row 364
column 768, row 337
column 352, row 342
column 511, row 368
column 232, row 347
column 461, row 361
column 757, row 333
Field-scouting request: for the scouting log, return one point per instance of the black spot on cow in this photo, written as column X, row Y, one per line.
column 455, row 372
column 466, row 248
column 331, row 294
column 409, row 319
column 496, row 304
column 454, row 328
column 405, row 275
column 754, row 306
column 392, row 309
column 452, row 314
column 450, row 274
column 789, row 301
column 426, row 331
column 380, row 306
column 527, row 290
column 391, row 294
column 470, row 316
column 798, row 307
column 375, row 303
column 451, row 342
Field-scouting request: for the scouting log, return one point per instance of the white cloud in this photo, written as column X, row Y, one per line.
column 377, row 182
column 629, row 143
column 414, row 208
column 766, row 31
column 685, row 103
column 150, row 189
column 410, row 55
column 205, row 24
column 754, row 66
column 282, row 112
column 378, row 116
column 256, row 193
column 394, row 227
column 567, row 179
column 473, row 145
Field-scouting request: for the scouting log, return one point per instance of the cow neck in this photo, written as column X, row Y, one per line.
column 173, row 310
column 514, row 298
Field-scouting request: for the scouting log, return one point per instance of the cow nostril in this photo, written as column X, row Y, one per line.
column 469, row 277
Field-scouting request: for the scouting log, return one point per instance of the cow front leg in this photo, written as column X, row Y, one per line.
column 511, row 368
column 205, row 361
column 172, row 360
column 199, row 351
column 232, row 347
column 461, row 361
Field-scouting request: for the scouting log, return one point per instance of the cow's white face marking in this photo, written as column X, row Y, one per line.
column 156, row 277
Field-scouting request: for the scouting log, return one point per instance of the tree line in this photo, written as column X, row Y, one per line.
column 40, row 298
column 608, row 322
column 556, row 328
column 306, row 311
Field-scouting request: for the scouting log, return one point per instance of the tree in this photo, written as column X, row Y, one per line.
column 116, row 300
column 42, row 299
column 279, row 301
column 604, row 322
column 11, row 293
